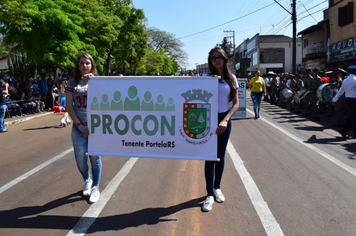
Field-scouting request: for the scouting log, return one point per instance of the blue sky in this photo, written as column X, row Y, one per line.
column 200, row 24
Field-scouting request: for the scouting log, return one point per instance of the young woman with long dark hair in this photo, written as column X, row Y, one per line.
column 218, row 65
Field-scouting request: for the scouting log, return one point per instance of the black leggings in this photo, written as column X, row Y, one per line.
column 216, row 168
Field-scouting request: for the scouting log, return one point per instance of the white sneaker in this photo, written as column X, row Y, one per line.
column 95, row 194
column 63, row 123
column 219, row 197
column 67, row 120
column 208, row 204
column 87, row 187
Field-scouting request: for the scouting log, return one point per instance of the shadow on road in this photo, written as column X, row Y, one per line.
column 312, row 128
column 148, row 216
column 29, row 217
column 21, row 217
column 45, row 127
column 313, row 139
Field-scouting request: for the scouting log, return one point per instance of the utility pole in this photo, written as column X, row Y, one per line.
column 233, row 51
column 294, row 20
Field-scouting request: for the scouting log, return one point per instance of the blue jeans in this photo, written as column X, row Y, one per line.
column 62, row 101
column 256, row 99
column 2, row 116
column 215, row 168
column 80, row 145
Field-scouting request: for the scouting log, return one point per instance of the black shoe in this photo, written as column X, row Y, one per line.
column 256, row 117
column 4, row 130
column 344, row 136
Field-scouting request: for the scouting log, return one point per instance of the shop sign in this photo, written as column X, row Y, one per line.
column 343, row 50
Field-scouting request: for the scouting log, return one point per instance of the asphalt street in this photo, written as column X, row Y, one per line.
column 284, row 175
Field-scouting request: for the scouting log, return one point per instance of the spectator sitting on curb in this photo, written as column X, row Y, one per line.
column 12, row 107
column 35, row 103
column 25, row 106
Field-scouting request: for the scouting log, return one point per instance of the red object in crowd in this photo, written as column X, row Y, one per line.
column 56, row 108
column 325, row 79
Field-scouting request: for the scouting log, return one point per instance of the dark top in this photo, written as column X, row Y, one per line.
column 2, row 97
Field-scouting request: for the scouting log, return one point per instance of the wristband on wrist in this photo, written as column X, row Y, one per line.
column 78, row 124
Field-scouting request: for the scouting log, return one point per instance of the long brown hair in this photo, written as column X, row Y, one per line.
column 226, row 70
column 76, row 73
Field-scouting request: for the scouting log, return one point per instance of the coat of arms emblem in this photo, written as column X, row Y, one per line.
column 196, row 113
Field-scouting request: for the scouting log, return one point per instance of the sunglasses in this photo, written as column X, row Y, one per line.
column 216, row 58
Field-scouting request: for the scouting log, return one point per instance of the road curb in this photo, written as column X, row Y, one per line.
column 12, row 122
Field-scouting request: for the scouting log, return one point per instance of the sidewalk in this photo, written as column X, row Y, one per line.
column 16, row 120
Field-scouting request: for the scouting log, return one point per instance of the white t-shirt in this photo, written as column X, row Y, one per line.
column 224, row 95
column 348, row 87
column 79, row 98
column 267, row 80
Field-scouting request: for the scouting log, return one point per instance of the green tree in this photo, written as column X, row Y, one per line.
column 158, row 61
column 226, row 45
column 101, row 27
column 126, row 54
column 161, row 40
column 42, row 31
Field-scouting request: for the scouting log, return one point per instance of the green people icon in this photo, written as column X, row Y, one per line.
column 160, row 106
column 147, row 103
column 117, row 103
column 132, row 101
column 94, row 105
column 105, row 104
column 170, row 105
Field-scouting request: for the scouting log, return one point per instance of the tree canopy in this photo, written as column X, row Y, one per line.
column 52, row 33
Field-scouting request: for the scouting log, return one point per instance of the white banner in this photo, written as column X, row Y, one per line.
column 241, row 112
column 159, row 117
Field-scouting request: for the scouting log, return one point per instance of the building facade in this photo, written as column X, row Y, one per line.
column 266, row 53
column 341, row 50
column 202, row 69
column 315, row 40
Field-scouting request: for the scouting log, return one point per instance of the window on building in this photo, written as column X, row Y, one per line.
column 346, row 14
column 254, row 59
column 305, row 43
column 271, row 56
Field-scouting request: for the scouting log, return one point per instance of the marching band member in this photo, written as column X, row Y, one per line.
column 309, row 82
column 340, row 107
column 298, row 86
column 349, row 88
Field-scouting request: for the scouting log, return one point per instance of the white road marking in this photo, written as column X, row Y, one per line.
column 34, row 170
column 94, row 210
column 269, row 223
column 310, row 146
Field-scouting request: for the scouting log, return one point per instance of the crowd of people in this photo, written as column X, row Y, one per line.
column 309, row 95
column 26, row 95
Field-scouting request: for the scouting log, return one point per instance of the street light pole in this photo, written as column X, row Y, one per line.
column 294, row 19
column 233, row 51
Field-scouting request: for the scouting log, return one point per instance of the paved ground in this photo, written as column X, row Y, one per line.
column 284, row 175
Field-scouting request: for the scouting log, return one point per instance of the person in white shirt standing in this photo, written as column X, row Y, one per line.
column 349, row 88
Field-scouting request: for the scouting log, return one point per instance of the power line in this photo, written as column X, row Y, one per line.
column 227, row 22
